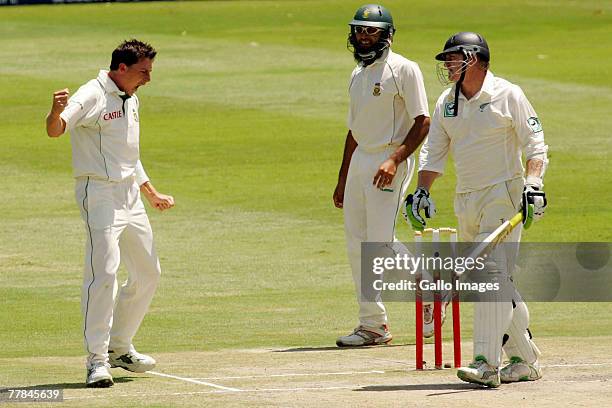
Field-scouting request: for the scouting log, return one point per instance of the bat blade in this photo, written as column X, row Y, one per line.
column 495, row 237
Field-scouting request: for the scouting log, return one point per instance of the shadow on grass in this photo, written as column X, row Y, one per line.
column 450, row 388
column 336, row 348
column 66, row 386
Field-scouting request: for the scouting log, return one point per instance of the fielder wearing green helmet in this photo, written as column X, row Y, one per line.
column 371, row 19
column 388, row 117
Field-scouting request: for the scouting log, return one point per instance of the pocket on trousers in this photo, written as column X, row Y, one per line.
column 514, row 188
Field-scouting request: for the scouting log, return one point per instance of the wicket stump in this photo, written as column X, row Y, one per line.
column 435, row 239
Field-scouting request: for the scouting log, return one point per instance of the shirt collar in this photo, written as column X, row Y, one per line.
column 488, row 87
column 109, row 85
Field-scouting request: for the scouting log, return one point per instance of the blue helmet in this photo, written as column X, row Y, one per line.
column 466, row 43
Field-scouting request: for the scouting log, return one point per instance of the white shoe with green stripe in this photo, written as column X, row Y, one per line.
column 480, row 372
column 520, row 370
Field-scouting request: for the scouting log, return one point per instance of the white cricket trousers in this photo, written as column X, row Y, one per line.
column 497, row 323
column 117, row 230
column 370, row 215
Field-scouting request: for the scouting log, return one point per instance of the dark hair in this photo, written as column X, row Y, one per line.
column 130, row 52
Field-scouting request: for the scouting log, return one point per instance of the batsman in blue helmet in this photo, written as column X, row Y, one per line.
column 489, row 127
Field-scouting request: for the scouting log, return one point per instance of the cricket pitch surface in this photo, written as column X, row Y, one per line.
column 576, row 372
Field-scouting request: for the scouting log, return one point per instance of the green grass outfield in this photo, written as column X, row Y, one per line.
column 244, row 123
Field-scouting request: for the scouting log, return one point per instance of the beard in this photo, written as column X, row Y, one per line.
column 370, row 53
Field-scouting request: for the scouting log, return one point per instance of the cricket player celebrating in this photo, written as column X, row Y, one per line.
column 102, row 117
column 486, row 122
column 388, row 119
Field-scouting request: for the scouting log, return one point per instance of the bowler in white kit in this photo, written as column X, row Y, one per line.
column 103, row 121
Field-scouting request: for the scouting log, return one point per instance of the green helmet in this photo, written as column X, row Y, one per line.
column 373, row 15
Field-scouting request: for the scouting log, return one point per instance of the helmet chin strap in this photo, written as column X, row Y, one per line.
column 458, row 85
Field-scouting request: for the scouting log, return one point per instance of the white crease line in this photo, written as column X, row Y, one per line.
column 361, row 372
column 191, row 380
column 290, row 375
column 576, row 381
column 576, row 365
column 302, row 389
column 141, row 394
column 229, row 391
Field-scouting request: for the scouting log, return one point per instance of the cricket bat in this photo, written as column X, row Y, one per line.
column 495, row 237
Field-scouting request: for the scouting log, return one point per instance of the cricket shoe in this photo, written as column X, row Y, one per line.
column 98, row 375
column 428, row 318
column 365, row 336
column 520, row 370
column 131, row 361
column 480, row 372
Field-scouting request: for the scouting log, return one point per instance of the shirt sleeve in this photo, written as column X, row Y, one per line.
column 349, row 118
column 81, row 108
column 140, row 174
column 434, row 151
column 527, row 125
column 412, row 88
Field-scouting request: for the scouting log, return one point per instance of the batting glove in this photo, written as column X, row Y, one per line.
column 533, row 205
column 416, row 202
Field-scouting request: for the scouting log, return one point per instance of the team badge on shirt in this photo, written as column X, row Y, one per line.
column 483, row 106
column 534, row 124
column 449, row 109
column 135, row 115
column 376, row 91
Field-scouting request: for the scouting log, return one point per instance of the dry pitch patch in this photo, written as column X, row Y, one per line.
column 577, row 372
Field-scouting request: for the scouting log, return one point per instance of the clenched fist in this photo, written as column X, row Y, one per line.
column 60, row 100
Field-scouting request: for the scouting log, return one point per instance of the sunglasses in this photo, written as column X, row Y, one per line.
column 367, row 30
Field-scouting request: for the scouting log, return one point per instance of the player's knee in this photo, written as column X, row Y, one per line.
column 151, row 273
column 521, row 315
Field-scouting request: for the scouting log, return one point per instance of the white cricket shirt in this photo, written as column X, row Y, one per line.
column 104, row 132
column 487, row 137
column 385, row 96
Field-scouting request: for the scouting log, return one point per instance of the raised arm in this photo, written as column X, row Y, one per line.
column 55, row 124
